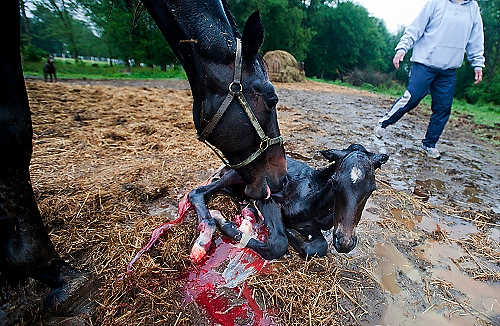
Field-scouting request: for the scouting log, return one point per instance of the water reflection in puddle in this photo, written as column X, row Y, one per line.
column 454, row 227
column 392, row 262
column 480, row 298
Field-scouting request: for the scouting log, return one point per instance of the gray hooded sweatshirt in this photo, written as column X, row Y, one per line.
column 443, row 32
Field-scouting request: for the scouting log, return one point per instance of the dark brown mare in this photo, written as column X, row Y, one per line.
column 203, row 35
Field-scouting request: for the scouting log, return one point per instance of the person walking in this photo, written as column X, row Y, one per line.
column 440, row 35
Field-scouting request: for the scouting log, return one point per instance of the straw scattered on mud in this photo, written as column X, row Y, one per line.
column 104, row 156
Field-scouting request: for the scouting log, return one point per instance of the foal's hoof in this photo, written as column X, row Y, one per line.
column 73, row 297
column 197, row 253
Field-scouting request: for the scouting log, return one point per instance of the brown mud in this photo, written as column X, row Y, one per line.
column 111, row 158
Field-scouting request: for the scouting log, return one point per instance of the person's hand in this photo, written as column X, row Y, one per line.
column 479, row 76
column 398, row 57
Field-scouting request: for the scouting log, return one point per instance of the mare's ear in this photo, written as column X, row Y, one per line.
column 253, row 36
column 378, row 159
column 334, row 154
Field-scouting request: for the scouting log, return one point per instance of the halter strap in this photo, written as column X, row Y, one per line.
column 236, row 90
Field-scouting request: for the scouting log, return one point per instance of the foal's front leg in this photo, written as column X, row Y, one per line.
column 314, row 244
column 207, row 223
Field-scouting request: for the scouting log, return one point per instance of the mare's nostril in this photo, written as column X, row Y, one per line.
column 271, row 101
column 284, row 181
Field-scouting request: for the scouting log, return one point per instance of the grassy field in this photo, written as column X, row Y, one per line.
column 101, row 70
column 483, row 113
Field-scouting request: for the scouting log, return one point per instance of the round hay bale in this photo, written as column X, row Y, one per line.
column 282, row 67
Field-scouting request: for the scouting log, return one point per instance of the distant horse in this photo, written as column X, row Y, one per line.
column 234, row 111
column 49, row 69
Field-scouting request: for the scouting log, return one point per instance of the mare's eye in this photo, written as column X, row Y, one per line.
column 266, row 92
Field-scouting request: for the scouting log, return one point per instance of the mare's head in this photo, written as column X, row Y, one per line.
column 353, row 181
column 234, row 135
column 203, row 35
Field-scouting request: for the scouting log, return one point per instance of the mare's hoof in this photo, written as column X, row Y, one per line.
column 73, row 297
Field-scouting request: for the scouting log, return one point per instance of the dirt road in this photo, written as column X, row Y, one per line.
column 111, row 158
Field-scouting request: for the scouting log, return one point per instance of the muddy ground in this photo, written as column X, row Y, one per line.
column 111, row 159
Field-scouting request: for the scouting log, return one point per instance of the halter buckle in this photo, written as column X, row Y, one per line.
column 264, row 144
column 237, row 91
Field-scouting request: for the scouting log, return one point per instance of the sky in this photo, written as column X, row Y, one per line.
column 395, row 13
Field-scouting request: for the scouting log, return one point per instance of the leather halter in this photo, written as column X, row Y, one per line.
column 236, row 90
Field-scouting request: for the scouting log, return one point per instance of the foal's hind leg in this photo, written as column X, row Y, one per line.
column 206, row 221
column 315, row 245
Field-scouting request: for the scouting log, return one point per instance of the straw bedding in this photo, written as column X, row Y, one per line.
column 109, row 165
column 103, row 156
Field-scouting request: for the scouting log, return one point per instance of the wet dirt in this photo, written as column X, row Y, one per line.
column 429, row 236
column 464, row 185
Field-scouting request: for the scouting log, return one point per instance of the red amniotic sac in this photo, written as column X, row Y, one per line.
column 217, row 282
column 217, row 279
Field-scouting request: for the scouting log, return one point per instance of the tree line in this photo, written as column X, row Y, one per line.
column 335, row 39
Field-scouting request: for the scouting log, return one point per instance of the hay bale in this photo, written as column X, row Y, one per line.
column 282, row 67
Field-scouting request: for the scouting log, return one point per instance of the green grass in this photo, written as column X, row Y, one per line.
column 67, row 68
column 482, row 113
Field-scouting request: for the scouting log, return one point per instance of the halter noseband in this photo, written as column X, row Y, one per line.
column 236, row 90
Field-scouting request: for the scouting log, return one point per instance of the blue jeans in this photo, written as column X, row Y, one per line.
column 423, row 79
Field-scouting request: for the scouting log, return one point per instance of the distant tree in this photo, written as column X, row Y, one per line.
column 63, row 11
column 490, row 12
column 48, row 32
column 128, row 31
column 25, row 22
column 346, row 38
column 284, row 23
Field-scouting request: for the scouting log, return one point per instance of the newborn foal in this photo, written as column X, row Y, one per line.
column 313, row 200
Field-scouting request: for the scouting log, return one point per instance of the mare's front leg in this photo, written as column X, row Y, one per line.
column 207, row 224
column 308, row 245
column 277, row 242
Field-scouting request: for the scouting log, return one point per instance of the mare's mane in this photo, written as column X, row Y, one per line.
column 230, row 18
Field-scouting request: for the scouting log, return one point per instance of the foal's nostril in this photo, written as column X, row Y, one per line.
column 343, row 245
column 354, row 242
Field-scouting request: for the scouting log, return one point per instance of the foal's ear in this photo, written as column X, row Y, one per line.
column 334, row 154
column 253, row 36
column 378, row 159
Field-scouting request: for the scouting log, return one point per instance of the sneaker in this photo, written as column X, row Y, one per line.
column 430, row 151
column 379, row 131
